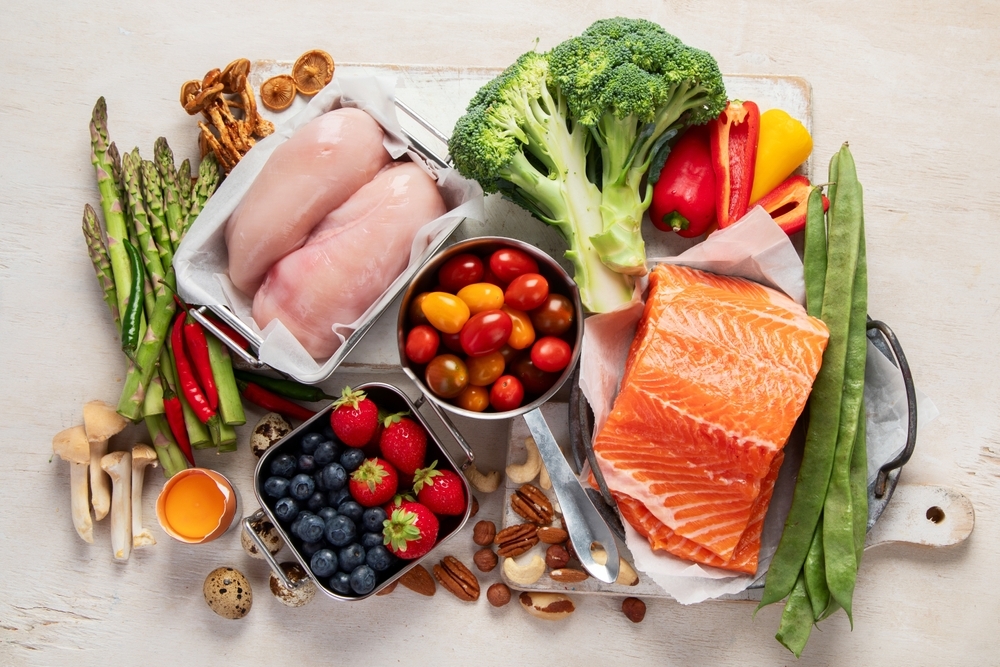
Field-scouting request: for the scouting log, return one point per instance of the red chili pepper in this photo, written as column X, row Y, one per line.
column 272, row 402
column 197, row 349
column 788, row 203
column 185, row 376
column 734, row 153
column 684, row 197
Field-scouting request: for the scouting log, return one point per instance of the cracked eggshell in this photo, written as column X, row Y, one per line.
column 228, row 593
column 267, row 532
column 302, row 594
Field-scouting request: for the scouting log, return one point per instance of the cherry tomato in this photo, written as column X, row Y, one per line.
column 422, row 344
column 527, row 291
column 522, row 334
column 509, row 263
column 486, row 332
column 554, row 317
column 490, row 277
column 535, row 380
column 481, row 296
column 508, row 353
column 473, row 398
column 459, row 271
column 506, row 394
column 453, row 342
column 445, row 312
column 415, row 312
column 484, row 371
column 446, row 375
column 551, row 354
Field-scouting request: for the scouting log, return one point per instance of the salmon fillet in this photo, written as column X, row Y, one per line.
column 716, row 376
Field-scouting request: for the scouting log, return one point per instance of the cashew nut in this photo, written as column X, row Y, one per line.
column 524, row 574
column 484, row 483
column 525, row 472
column 627, row 576
column 547, row 606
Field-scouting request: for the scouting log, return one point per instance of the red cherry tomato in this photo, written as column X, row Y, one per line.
column 422, row 344
column 551, row 354
column 535, row 380
column 506, row 393
column 446, row 375
column 486, row 332
column 453, row 342
column 459, row 271
column 554, row 317
column 509, row 263
column 489, row 277
column 527, row 291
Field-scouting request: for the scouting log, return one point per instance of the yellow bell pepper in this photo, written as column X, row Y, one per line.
column 783, row 145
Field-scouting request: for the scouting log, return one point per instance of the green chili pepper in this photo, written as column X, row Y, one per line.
column 132, row 318
column 286, row 388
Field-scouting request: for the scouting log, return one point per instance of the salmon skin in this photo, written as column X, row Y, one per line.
column 716, row 376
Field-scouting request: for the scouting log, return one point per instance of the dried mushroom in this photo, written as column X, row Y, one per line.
column 234, row 77
column 278, row 92
column 312, row 71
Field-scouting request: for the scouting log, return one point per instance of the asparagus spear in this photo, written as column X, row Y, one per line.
column 170, row 455
column 102, row 265
column 152, row 192
column 137, row 223
column 164, row 158
column 184, row 186
column 147, row 245
column 208, row 181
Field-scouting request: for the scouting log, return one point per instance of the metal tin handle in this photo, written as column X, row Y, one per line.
column 199, row 315
column 275, row 567
column 448, row 424
column 882, row 480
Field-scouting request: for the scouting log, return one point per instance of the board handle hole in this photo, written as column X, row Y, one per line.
column 935, row 514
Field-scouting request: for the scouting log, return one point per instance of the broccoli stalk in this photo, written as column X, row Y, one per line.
column 517, row 138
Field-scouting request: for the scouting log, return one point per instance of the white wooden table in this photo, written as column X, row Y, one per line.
column 911, row 86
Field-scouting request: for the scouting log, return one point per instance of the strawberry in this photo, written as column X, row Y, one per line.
column 411, row 530
column 441, row 491
column 403, row 443
column 373, row 483
column 354, row 418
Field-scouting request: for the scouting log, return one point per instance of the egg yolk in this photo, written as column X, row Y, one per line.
column 194, row 506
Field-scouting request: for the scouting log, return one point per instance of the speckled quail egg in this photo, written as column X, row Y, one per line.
column 271, row 428
column 228, row 593
column 302, row 594
column 267, row 533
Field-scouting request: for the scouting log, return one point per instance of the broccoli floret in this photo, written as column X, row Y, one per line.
column 635, row 86
column 517, row 137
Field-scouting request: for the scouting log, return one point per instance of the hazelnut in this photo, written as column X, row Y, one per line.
column 498, row 595
column 634, row 609
column 485, row 559
column 556, row 556
column 475, row 507
column 484, row 532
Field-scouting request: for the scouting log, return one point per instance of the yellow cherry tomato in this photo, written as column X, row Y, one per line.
column 473, row 398
column 484, row 370
column 522, row 334
column 783, row 144
column 481, row 297
column 445, row 312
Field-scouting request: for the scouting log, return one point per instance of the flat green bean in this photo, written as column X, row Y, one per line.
column 859, row 487
column 797, row 619
column 814, row 570
column 814, row 253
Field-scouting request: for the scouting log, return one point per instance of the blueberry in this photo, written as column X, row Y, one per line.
column 327, row 513
column 352, row 510
column 298, row 521
column 307, row 464
column 369, row 540
column 276, row 487
column 311, row 528
column 301, row 487
column 337, row 498
column 309, row 548
column 362, row 580
column 351, row 556
column 333, row 477
column 340, row 531
column 372, row 518
column 327, row 431
column 379, row 558
column 323, row 563
column 316, row 501
column 351, row 459
column 310, row 441
column 341, row 583
column 283, row 465
column 286, row 510
column 326, row 452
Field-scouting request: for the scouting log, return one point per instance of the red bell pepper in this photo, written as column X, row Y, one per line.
column 734, row 153
column 684, row 197
column 787, row 203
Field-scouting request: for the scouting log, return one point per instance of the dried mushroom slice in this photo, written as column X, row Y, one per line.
column 189, row 90
column 312, row 71
column 278, row 92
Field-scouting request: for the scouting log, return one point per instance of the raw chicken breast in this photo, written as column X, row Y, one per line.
column 350, row 259
column 315, row 171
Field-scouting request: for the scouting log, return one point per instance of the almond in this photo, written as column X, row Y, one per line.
column 568, row 575
column 419, row 580
column 552, row 535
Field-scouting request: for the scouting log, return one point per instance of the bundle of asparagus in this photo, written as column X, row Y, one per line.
column 148, row 206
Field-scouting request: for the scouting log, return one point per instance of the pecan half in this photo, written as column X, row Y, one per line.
column 515, row 540
column 530, row 503
column 457, row 578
